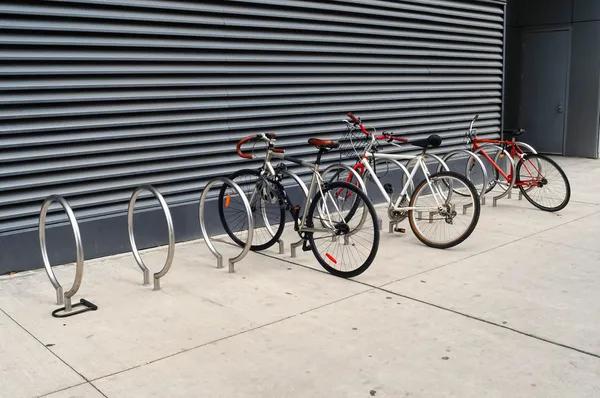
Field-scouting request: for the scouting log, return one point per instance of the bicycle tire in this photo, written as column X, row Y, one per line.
column 372, row 212
column 527, row 192
column 221, row 201
column 476, row 206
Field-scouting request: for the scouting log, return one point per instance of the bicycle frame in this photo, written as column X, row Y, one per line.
column 515, row 151
column 316, row 182
column 421, row 165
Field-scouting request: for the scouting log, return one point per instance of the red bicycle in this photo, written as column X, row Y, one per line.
column 541, row 180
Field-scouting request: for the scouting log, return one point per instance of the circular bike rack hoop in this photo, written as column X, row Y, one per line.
column 495, row 199
column 476, row 159
column 202, row 209
column 134, row 249
column 61, row 298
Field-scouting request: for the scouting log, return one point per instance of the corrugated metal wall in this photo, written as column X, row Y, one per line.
column 101, row 96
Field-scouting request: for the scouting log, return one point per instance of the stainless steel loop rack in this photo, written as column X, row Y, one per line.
column 508, row 191
column 134, row 249
column 202, row 209
column 470, row 155
column 64, row 298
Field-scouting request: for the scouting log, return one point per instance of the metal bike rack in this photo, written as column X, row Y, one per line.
column 64, row 298
column 337, row 166
column 481, row 165
column 495, row 199
column 211, row 247
column 134, row 249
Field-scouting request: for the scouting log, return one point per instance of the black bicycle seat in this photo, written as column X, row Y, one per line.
column 509, row 134
column 433, row 141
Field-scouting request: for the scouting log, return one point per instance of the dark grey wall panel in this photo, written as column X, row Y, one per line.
column 584, row 93
column 586, row 10
column 99, row 96
column 543, row 12
column 584, row 99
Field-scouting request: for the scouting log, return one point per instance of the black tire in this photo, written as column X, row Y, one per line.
column 228, row 228
column 528, row 193
column 372, row 222
column 476, row 211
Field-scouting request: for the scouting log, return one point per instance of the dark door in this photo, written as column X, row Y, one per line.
column 544, row 89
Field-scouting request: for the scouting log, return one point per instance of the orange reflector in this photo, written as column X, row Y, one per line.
column 501, row 155
column 227, row 200
column 329, row 256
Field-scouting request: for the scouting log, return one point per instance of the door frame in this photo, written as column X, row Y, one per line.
column 545, row 29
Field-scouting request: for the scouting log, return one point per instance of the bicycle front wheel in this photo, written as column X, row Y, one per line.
column 543, row 183
column 438, row 216
column 266, row 203
column 344, row 245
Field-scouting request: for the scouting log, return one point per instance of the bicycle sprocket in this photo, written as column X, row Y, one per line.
column 397, row 216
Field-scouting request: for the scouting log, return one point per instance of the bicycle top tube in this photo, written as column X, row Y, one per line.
column 393, row 156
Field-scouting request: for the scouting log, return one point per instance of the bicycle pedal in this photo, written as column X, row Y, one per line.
column 389, row 189
column 400, row 230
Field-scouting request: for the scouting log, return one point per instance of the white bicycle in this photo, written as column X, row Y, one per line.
column 443, row 209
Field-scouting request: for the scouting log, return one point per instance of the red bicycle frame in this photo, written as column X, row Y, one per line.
column 515, row 152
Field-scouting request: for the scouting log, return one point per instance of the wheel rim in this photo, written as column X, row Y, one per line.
column 267, row 214
column 542, row 182
column 349, row 243
column 453, row 215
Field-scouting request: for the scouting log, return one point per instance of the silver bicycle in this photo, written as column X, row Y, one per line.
column 443, row 209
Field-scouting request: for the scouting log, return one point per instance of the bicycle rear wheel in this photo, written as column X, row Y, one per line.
column 439, row 217
column 543, row 183
column 266, row 202
column 346, row 247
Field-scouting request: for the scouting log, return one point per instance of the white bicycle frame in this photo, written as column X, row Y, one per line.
column 421, row 165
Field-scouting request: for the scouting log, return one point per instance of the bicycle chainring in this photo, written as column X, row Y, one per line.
column 397, row 216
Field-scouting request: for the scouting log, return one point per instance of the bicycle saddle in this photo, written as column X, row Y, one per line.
column 509, row 134
column 327, row 144
column 433, row 141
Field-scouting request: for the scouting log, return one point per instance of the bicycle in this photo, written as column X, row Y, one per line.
column 533, row 174
column 344, row 246
column 435, row 196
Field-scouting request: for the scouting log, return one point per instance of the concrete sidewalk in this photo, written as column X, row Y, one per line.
column 514, row 311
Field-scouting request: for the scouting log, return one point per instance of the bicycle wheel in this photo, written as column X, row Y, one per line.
column 268, row 209
column 439, row 217
column 348, row 247
column 543, row 183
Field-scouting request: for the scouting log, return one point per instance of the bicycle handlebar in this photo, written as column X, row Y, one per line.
column 353, row 118
column 267, row 137
column 472, row 133
column 473, row 122
column 389, row 137
column 385, row 136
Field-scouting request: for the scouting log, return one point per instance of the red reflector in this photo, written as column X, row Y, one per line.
column 329, row 256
